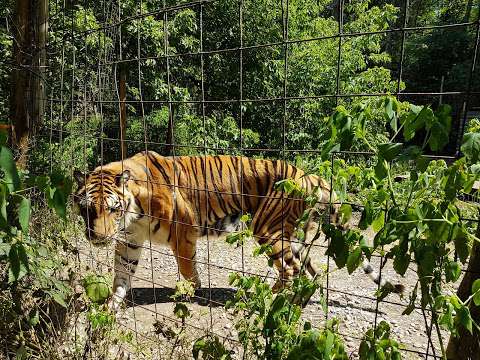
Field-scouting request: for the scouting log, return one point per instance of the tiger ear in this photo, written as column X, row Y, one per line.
column 123, row 178
column 79, row 177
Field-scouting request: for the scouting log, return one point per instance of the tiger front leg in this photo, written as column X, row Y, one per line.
column 127, row 255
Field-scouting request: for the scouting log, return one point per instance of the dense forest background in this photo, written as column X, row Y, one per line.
column 173, row 60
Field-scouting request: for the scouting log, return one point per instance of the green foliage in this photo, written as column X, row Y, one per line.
column 311, row 71
column 97, row 288
column 238, row 237
column 183, row 290
column 18, row 249
column 471, row 146
column 315, row 344
column 100, row 319
column 210, row 348
column 418, row 219
column 29, row 260
column 377, row 345
column 270, row 326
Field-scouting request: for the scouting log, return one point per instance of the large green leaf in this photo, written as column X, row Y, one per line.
column 367, row 216
column 3, row 137
column 439, row 136
column 353, row 260
column 9, row 168
column 415, row 120
column 379, row 221
column 389, row 151
column 462, row 245
column 471, row 146
column 401, row 262
column 476, row 292
column 97, row 288
column 3, row 205
column 381, row 169
column 463, row 317
column 345, row 213
column 338, row 247
column 24, row 213
column 60, row 203
column 452, row 271
column 18, row 262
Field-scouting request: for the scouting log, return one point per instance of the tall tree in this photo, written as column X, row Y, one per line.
column 28, row 75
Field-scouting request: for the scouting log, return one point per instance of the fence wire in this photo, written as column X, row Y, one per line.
column 85, row 103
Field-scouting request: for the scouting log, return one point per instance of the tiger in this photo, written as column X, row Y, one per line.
column 174, row 201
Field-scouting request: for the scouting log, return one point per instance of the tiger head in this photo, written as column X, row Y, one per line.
column 105, row 204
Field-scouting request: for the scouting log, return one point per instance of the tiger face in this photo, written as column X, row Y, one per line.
column 104, row 202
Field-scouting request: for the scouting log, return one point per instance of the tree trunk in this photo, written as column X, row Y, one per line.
column 123, row 110
column 467, row 346
column 19, row 112
column 169, row 137
column 39, row 63
column 27, row 102
column 468, row 11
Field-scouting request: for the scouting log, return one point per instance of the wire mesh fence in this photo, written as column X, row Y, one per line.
column 100, row 109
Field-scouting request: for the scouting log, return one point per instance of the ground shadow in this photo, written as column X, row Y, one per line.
column 218, row 296
column 147, row 296
column 336, row 303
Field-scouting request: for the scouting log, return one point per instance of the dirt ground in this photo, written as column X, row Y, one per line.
column 351, row 298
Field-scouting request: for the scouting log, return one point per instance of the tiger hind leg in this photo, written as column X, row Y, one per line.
column 285, row 262
column 185, row 254
column 301, row 251
column 301, row 248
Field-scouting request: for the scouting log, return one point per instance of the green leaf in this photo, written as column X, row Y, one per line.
column 24, row 213
column 381, row 169
column 345, row 213
column 338, row 247
column 471, row 146
column 389, row 151
column 58, row 297
column 452, row 271
column 97, row 288
column 3, row 205
column 439, row 136
column 367, row 217
column 9, row 168
column 427, row 262
column 401, row 262
column 353, row 260
column 379, row 221
column 18, row 262
column 476, row 292
column 422, row 163
column 462, row 245
column 181, row 310
column 328, row 344
column 411, row 304
column 60, row 203
column 3, row 137
column 454, row 181
column 415, row 120
column 33, row 317
column 4, row 249
column 464, row 318
column 198, row 346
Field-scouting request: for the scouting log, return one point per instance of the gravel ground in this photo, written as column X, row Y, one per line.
column 351, row 298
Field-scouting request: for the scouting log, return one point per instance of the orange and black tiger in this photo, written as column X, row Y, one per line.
column 175, row 201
